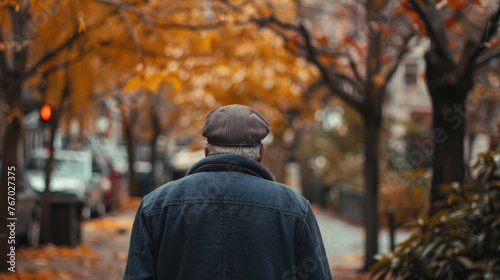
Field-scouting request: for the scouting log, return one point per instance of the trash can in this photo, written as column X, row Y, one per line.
column 66, row 219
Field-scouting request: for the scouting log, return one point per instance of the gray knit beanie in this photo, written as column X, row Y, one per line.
column 235, row 125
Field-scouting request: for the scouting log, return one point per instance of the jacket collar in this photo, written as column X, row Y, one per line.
column 231, row 163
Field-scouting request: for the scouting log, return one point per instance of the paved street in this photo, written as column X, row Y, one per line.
column 344, row 243
column 104, row 250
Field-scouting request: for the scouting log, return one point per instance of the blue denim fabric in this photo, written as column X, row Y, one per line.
column 227, row 219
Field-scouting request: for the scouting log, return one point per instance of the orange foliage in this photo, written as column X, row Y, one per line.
column 405, row 8
column 322, row 40
column 384, row 58
column 450, row 21
column 292, row 42
column 386, row 30
column 348, row 40
column 493, row 43
column 452, row 44
column 457, row 4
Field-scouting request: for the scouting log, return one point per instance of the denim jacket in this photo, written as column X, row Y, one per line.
column 227, row 219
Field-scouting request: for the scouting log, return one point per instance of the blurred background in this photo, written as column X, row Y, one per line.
column 372, row 104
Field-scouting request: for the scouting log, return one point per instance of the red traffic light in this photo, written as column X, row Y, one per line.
column 45, row 112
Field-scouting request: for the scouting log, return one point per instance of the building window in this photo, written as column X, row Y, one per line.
column 411, row 74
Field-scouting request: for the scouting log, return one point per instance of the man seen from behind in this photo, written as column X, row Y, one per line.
column 228, row 218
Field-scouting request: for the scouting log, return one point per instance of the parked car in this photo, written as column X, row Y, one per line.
column 112, row 181
column 71, row 174
column 28, row 210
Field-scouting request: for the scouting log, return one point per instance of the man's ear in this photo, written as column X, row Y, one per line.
column 261, row 153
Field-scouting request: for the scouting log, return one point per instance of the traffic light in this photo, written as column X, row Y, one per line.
column 45, row 113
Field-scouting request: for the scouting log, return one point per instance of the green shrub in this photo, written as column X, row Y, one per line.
column 461, row 242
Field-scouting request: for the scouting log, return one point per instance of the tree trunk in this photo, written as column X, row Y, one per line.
column 46, row 223
column 371, row 181
column 154, row 155
column 10, row 169
column 11, row 84
column 129, row 138
column 448, row 86
column 448, row 136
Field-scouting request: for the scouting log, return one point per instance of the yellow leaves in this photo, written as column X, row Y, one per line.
column 207, row 41
column 151, row 80
column 81, row 24
column 176, row 83
column 14, row 3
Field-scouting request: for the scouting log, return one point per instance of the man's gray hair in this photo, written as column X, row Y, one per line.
column 252, row 152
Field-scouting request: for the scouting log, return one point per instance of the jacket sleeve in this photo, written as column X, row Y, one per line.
column 141, row 263
column 311, row 260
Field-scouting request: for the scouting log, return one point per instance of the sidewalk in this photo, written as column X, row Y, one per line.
column 344, row 245
column 105, row 243
column 102, row 255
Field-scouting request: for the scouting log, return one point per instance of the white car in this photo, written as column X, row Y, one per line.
column 71, row 174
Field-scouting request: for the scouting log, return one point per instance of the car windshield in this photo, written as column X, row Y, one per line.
column 61, row 167
column 68, row 168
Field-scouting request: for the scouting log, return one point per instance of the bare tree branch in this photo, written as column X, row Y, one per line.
column 189, row 27
column 134, row 35
column 66, row 63
column 155, row 18
column 3, row 59
column 273, row 20
column 69, row 41
column 19, row 56
column 286, row 39
column 492, row 26
column 269, row 21
column 473, row 49
column 487, row 56
column 461, row 15
column 125, row 6
column 338, row 87
column 51, row 54
column 402, row 52
column 435, row 28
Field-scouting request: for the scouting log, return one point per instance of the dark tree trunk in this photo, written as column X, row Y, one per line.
column 154, row 155
column 448, row 87
column 448, row 135
column 129, row 138
column 46, row 228
column 10, row 169
column 11, row 85
column 371, row 181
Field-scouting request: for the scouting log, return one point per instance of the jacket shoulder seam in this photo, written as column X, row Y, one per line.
column 153, row 211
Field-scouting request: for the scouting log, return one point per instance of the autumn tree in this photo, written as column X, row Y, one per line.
column 356, row 60
column 230, row 64
column 29, row 49
column 16, row 63
column 451, row 68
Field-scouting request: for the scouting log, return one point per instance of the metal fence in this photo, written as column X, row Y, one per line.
column 350, row 205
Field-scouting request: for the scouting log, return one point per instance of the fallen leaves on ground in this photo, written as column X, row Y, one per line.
column 42, row 274
column 52, row 252
column 41, row 256
column 109, row 224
